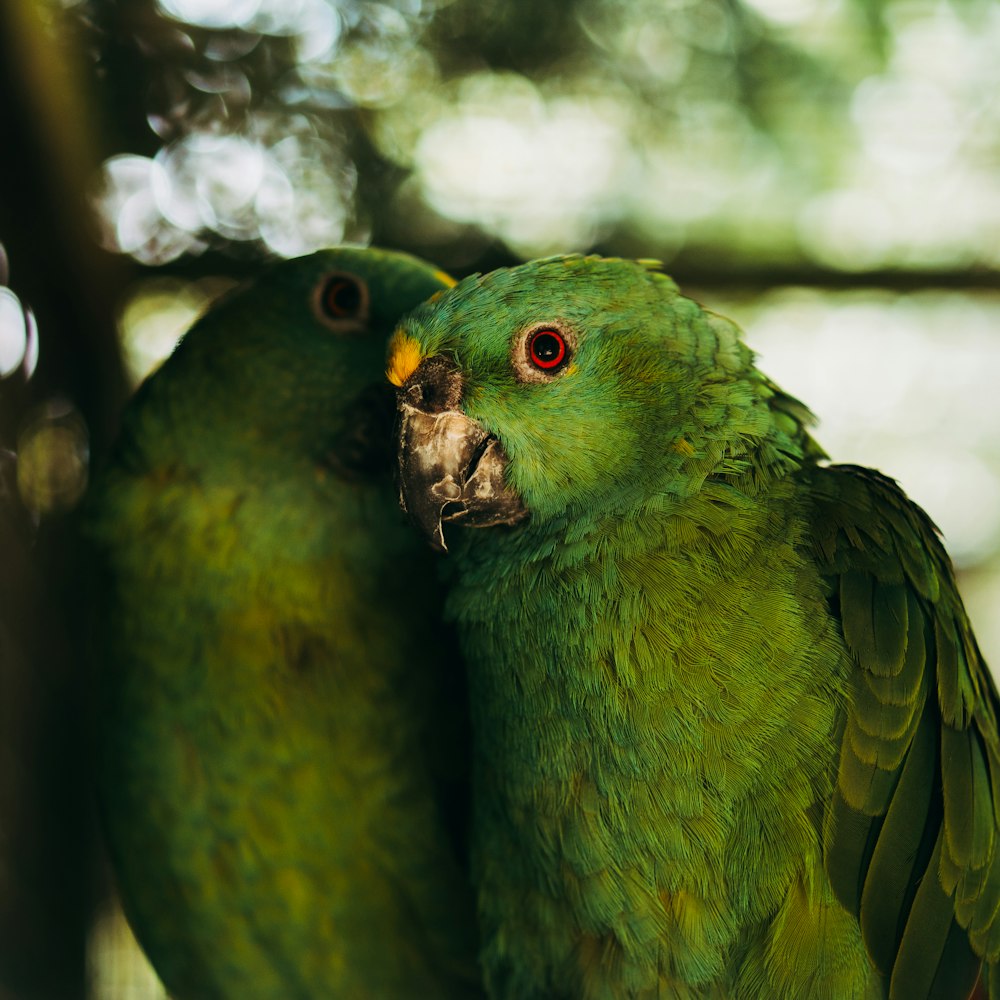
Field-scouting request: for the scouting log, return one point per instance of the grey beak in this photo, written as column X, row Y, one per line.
column 450, row 468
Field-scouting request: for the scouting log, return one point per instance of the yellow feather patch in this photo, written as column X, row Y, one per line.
column 683, row 447
column 404, row 356
column 446, row 279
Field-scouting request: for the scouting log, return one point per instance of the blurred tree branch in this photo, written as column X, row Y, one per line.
column 47, row 877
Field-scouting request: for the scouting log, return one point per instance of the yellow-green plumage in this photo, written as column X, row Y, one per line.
column 280, row 731
column 732, row 734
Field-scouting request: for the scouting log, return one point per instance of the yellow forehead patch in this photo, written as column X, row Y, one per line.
column 404, row 356
column 446, row 279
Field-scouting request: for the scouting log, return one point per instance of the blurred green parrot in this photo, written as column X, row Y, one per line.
column 282, row 751
column 732, row 733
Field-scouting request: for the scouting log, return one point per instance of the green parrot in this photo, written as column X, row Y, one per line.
column 281, row 748
column 732, row 733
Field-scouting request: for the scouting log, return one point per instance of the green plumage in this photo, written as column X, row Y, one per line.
column 732, row 733
column 280, row 730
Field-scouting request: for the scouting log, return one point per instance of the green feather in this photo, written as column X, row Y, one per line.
column 889, row 625
column 857, row 592
column 850, row 837
column 890, row 875
column 924, row 937
column 957, row 779
column 984, row 834
column 904, row 687
column 949, row 666
column 880, row 721
column 981, row 908
column 878, row 754
column 865, row 785
column 958, row 968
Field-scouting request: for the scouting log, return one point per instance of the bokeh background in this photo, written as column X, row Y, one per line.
column 826, row 172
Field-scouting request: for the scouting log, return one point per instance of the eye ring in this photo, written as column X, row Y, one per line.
column 340, row 302
column 543, row 351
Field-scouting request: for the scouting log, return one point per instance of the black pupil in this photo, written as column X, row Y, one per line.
column 546, row 347
column 343, row 297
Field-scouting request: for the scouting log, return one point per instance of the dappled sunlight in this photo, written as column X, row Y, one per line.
column 779, row 129
column 52, row 458
column 544, row 173
column 294, row 196
column 18, row 337
column 156, row 316
column 246, row 161
column 918, row 185
column 903, row 383
column 793, row 12
column 116, row 965
column 317, row 20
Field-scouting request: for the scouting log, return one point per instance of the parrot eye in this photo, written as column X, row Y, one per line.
column 547, row 349
column 543, row 352
column 341, row 302
column 341, row 297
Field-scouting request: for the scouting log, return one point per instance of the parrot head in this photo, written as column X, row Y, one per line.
column 290, row 364
column 572, row 383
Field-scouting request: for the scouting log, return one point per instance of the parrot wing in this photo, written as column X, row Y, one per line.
column 911, row 838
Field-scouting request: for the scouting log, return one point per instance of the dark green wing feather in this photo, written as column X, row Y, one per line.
column 911, row 840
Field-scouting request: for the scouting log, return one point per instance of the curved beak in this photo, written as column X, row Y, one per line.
column 451, row 469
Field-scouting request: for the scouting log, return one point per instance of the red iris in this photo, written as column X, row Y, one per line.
column 341, row 297
column 547, row 349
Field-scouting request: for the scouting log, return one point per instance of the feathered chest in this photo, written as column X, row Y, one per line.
column 634, row 703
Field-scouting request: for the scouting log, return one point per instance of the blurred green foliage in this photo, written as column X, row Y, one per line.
column 806, row 135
